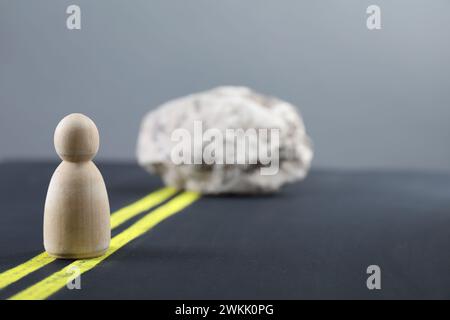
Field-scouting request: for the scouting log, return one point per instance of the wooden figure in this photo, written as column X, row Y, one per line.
column 76, row 214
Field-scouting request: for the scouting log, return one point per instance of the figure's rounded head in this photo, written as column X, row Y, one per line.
column 76, row 138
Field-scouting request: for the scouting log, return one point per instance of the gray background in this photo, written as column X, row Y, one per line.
column 370, row 99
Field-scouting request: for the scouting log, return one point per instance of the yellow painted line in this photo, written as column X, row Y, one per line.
column 142, row 205
column 15, row 274
column 117, row 218
column 59, row 279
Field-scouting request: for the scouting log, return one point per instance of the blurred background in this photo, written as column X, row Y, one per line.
column 370, row 99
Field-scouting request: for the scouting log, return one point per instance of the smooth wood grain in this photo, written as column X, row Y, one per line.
column 76, row 213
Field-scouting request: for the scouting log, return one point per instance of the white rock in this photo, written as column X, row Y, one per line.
column 222, row 108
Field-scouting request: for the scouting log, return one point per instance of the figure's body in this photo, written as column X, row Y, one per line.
column 77, row 216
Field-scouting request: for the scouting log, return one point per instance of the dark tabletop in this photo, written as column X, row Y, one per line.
column 314, row 239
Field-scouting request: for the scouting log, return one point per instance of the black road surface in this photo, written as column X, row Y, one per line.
column 314, row 239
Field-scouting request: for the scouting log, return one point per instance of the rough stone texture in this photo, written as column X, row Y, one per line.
column 222, row 108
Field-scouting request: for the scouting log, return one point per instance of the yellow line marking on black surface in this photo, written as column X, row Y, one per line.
column 50, row 285
column 142, row 205
column 15, row 274
column 117, row 218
